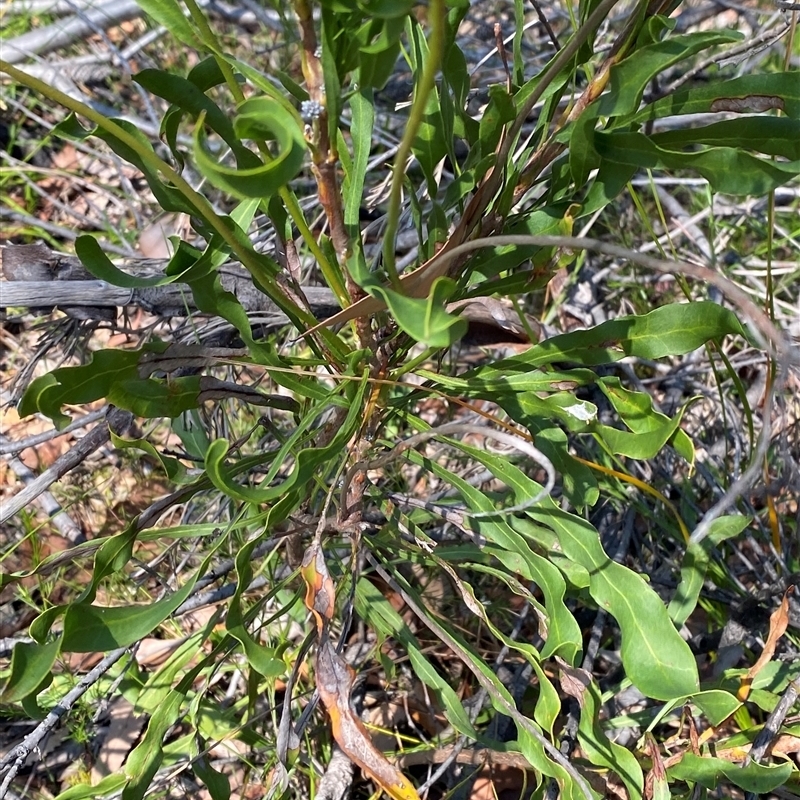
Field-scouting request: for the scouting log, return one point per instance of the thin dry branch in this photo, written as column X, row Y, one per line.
column 68, row 31
column 14, row 447
column 60, row 520
column 38, row 277
column 117, row 420
column 14, row 759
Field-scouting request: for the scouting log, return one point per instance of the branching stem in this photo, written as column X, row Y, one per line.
column 437, row 12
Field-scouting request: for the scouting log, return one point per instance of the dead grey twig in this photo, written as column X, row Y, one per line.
column 65, row 32
column 745, row 480
column 38, row 277
column 60, row 520
column 14, row 759
column 97, row 437
column 12, row 447
column 771, row 727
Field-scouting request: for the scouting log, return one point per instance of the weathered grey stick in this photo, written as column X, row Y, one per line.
column 66, row 31
column 60, row 520
column 49, row 294
column 38, row 277
column 96, row 438
column 14, row 759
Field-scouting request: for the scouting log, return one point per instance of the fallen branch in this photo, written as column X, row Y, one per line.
column 38, row 277
column 41, row 278
column 65, row 32
column 60, row 520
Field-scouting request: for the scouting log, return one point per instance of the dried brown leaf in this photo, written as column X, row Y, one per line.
column 335, row 683
column 778, row 623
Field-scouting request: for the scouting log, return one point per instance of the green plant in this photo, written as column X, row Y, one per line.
column 349, row 422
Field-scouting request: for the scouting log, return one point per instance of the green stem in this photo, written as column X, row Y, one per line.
column 331, row 275
column 436, row 14
column 411, row 365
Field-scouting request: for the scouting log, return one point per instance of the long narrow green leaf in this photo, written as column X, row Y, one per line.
column 145, row 759
column 746, row 94
column 373, row 607
column 727, row 169
column 108, row 786
column 307, row 462
column 656, row 659
column 563, row 634
column 169, row 13
column 90, row 629
column 671, row 330
column 598, row 747
column 712, row 772
column 530, row 740
column 363, row 109
column 695, row 564
column 263, row 659
column 77, row 385
column 631, row 76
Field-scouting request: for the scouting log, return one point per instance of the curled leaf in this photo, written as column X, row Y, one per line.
column 320, row 591
column 261, row 119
